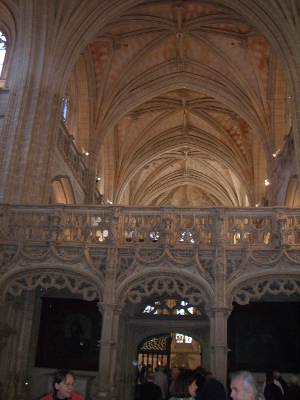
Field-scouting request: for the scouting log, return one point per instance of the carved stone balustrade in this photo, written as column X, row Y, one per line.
column 210, row 257
column 73, row 158
column 79, row 238
column 264, row 228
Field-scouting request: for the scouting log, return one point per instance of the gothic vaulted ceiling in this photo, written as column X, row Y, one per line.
column 179, row 104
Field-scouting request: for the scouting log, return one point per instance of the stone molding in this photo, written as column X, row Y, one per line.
column 117, row 254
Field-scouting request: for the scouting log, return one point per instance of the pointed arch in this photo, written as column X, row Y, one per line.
column 61, row 191
column 8, row 29
column 186, row 287
column 256, row 288
column 16, row 283
column 292, row 197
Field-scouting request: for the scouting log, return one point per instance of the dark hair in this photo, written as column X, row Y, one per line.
column 180, row 387
column 269, row 376
column 150, row 376
column 61, row 376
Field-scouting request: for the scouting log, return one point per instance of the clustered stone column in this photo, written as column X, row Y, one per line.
column 108, row 352
column 218, row 313
column 110, row 328
column 15, row 332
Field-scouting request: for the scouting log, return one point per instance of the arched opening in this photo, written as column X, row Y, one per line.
column 175, row 349
column 185, row 351
column 69, row 332
column 258, row 337
column 183, row 331
column 61, row 191
column 3, row 44
column 163, row 353
column 155, row 351
column 163, row 307
column 292, row 198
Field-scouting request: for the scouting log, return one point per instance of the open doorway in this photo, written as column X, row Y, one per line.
column 169, row 350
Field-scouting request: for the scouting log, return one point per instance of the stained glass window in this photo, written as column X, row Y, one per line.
column 180, row 338
column 171, row 307
column 3, row 47
column 65, row 108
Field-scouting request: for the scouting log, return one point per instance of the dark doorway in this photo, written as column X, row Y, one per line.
column 69, row 334
column 264, row 336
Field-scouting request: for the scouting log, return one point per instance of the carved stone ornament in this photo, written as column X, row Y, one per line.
column 58, row 280
column 273, row 285
column 165, row 285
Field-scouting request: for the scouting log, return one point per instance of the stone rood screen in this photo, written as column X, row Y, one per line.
column 82, row 247
column 201, row 227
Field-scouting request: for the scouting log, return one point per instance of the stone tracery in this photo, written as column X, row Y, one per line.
column 164, row 285
column 256, row 288
column 89, row 248
column 56, row 279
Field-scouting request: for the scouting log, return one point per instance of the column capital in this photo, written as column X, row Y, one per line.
column 109, row 308
column 212, row 311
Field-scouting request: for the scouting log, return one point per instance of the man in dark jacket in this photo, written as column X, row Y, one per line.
column 272, row 391
column 148, row 390
column 279, row 378
column 212, row 389
column 293, row 390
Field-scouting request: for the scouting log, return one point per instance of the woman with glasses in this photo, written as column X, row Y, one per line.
column 63, row 385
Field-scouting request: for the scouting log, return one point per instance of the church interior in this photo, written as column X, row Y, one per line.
column 149, row 190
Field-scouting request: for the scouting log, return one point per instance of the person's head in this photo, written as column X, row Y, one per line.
column 200, row 370
column 208, row 375
column 185, row 385
column 293, row 380
column 174, row 372
column 276, row 374
column 243, row 386
column 269, row 377
column 150, row 376
column 63, row 384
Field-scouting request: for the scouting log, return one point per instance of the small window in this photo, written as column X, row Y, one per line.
column 64, row 109
column 148, row 309
column 3, row 47
column 171, row 307
column 181, row 339
column 65, row 105
column 185, row 310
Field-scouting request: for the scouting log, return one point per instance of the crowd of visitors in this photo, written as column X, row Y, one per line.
column 186, row 384
column 199, row 384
